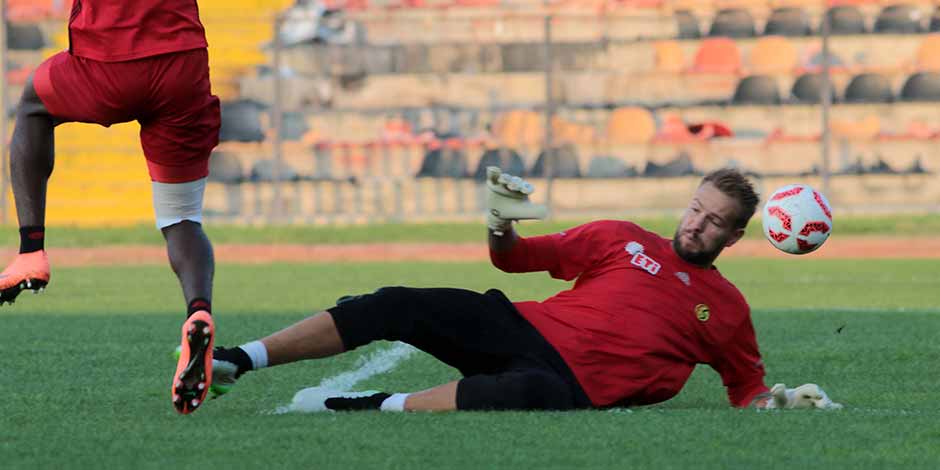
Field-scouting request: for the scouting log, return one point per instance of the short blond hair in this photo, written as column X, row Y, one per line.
column 735, row 185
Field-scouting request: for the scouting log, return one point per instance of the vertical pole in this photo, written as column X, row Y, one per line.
column 4, row 105
column 826, row 100
column 549, row 159
column 277, row 113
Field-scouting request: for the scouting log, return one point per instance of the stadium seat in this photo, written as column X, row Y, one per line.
column 508, row 159
column 757, row 89
column 225, row 167
column 934, row 21
column 564, row 163
column 609, row 167
column 717, row 55
column 899, row 19
column 267, row 170
column 808, row 89
column 687, row 25
column 518, row 127
column 673, row 130
column 630, row 125
column 773, row 54
column 241, row 121
column 788, row 22
column 669, row 56
column 24, row 37
column 680, row 166
column 732, row 23
column 293, row 126
column 922, row 86
column 846, row 20
column 928, row 54
column 444, row 163
column 811, row 60
column 869, row 88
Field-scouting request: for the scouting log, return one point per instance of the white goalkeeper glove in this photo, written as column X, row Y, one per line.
column 802, row 397
column 508, row 200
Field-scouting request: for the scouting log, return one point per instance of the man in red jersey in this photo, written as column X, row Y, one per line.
column 643, row 312
column 143, row 60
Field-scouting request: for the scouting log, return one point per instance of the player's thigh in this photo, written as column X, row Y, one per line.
column 183, row 118
column 521, row 389
column 76, row 89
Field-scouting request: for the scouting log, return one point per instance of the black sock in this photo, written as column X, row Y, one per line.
column 198, row 304
column 236, row 356
column 32, row 238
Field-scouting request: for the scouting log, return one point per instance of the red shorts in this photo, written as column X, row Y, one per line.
column 168, row 94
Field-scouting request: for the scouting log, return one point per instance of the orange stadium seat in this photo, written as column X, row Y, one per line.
column 717, row 55
column 773, row 54
column 674, row 130
column 630, row 125
column 669, row 56
column 519, row 127
column 928, row 54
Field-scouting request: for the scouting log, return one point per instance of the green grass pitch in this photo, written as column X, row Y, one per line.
column 86, row 367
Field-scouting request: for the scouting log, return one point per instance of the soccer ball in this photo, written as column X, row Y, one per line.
column 797, row 219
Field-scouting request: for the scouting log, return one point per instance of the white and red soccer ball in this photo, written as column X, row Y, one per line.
column 797, row 219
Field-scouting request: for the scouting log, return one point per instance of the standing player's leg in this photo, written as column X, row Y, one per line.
column 32, row 154
column 179, row 129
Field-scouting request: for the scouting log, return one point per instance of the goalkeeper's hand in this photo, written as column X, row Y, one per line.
column 508, row 200
column 802, row 397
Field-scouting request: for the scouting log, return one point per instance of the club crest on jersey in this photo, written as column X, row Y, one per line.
column 645, row 262
column 702, row 312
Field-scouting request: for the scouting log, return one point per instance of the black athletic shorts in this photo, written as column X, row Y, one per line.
column 505, row 361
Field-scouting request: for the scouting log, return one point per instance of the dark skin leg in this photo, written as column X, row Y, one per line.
column 191, row 258
column 32, row 155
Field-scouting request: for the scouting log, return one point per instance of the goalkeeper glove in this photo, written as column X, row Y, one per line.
column 508, row 200
column 802, row 397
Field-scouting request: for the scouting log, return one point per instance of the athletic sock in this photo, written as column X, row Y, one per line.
column 258, row 354
column 396, row 402
column 32, row 238
column 236, row 356
column 198, row 304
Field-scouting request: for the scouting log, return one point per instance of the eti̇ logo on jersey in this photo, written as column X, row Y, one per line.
column 702, row 312
column 641, row 260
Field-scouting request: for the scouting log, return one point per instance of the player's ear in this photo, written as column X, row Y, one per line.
column 735, row 236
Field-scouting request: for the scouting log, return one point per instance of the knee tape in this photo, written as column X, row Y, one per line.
column 176, row 202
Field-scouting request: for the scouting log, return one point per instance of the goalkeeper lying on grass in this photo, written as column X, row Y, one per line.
column 643, row 311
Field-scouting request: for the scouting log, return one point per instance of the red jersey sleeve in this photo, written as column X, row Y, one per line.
column 565, row 255
column 741, row 367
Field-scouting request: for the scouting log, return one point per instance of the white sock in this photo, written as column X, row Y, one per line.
column 395, row 402
column 258, row 354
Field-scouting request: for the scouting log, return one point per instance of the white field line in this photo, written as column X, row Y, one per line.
column 311, row 399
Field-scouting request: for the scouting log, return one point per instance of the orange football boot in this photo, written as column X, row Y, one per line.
column 193, row 375
column 27, row 271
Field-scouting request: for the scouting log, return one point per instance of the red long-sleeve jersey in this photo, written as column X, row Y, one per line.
column 122, row 30
column 638, row 318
